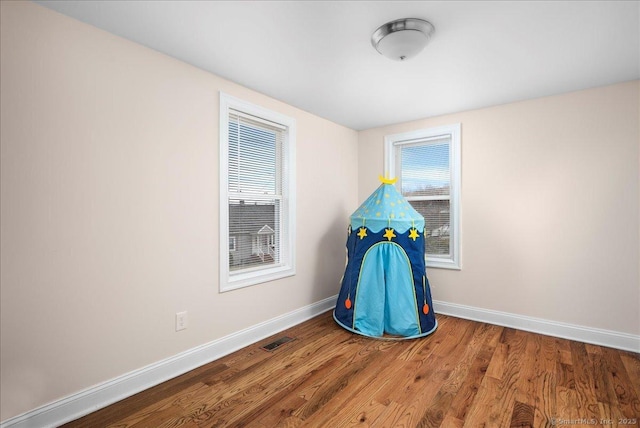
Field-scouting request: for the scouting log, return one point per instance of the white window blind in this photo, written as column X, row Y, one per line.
column 257, row 192
column 425, row 180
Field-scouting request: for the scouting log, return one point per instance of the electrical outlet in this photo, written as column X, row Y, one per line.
column 181, row 320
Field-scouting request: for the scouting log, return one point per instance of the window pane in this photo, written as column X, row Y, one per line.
column 255, row 228
column 437, row 218
column 425, row 169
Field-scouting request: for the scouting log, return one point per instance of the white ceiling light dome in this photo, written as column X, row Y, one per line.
column 403, row 38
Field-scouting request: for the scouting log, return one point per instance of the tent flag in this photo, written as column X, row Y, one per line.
column 385, row 291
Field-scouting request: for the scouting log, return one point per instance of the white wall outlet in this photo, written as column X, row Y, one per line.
column 181, row 320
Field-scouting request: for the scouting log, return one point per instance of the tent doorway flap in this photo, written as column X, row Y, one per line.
column 385, row 301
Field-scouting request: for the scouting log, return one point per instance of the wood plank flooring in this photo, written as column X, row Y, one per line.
column 467, row 374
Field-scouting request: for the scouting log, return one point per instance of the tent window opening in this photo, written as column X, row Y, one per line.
column 257, row 196
column 427, row 165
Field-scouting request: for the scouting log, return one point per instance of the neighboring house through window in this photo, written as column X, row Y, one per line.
column 427, row 165
column 257, row 195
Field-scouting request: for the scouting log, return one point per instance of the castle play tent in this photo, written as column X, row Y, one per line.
column 385, row 291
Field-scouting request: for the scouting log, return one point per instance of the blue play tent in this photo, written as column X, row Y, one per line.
column 384, row 290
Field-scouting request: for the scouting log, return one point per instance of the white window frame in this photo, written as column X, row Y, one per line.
column 287, row 267
column 394, row 142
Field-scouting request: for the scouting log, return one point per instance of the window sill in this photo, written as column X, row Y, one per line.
column 247, row 279
column 442, row 264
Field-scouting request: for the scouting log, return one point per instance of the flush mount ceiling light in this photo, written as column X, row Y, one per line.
column 403, row 38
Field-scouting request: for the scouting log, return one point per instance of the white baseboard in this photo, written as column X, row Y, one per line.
column 99, row 396
column 596, row 336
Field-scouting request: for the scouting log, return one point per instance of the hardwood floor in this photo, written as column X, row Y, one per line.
column 466, row 374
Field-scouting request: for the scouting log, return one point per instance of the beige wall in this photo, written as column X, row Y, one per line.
column 550, row 217
column 109, row 208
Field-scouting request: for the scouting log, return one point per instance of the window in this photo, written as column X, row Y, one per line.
column 257, row 194
column 427, row 165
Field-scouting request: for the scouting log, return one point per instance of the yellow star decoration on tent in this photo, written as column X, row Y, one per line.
column 362, row 232
column 388, row 233
column 413, row 234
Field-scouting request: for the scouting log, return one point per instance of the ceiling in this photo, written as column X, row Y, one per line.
column 317, row 55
